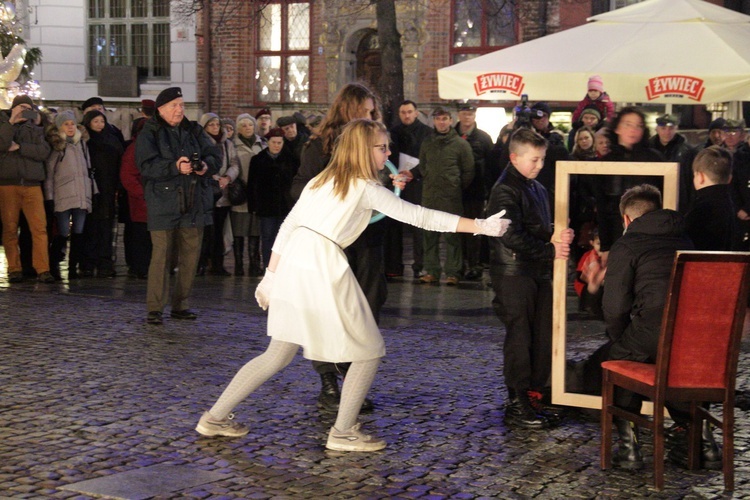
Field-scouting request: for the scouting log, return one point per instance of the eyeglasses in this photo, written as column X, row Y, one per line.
column 382, row 147
column 733, row 131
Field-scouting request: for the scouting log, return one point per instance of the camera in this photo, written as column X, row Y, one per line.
column 29, row 114
column 522, row 113
column 195, row 162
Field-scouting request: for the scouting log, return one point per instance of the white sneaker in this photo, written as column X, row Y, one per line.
column 209, row 426
column 353, row 440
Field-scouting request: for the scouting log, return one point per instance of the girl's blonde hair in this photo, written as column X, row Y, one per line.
column 353, row 156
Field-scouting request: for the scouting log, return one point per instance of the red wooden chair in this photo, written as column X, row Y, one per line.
column 696, row 360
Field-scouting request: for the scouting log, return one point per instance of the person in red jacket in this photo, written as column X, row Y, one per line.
column 140, row 241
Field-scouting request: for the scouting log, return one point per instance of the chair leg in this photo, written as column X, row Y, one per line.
column 606, row 446
column 727, row 429
column 659, row 446
column 694, row 437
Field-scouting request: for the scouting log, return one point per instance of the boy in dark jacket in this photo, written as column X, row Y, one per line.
column 521, row 271
column 712, row 223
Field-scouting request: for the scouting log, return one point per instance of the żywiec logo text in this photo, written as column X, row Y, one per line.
column 499, row 83
column 675, row 86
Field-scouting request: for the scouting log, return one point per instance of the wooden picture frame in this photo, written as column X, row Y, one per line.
column 563, row 170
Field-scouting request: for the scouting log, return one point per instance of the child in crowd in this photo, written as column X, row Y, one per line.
column 590, row 278
column 315, row 301
column 521, row 271
column 711, row 221
column 598, row 98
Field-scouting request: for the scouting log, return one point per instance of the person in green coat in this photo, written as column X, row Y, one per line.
column 446, row 164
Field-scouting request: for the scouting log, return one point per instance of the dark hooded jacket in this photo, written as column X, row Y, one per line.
column 175, row 200
column 105, row 153
column 24, row 166
column 677, row 150
column 635, row 291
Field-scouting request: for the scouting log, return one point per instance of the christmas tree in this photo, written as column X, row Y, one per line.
column 17, row 63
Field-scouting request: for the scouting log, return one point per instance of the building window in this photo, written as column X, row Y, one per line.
column 282, row 64
column 481, row 26
column 129, row 33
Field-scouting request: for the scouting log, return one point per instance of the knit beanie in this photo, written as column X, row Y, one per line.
column 592, row 111
column 596, row 83
column 21, row 99
column 207, row 117
column 64, row 117
column 247, row 116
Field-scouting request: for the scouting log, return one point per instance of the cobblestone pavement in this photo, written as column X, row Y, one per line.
column 88, row 390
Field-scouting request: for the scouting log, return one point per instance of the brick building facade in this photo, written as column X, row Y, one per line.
column 234, row 48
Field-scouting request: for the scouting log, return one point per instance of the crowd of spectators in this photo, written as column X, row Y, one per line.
column 188, row 193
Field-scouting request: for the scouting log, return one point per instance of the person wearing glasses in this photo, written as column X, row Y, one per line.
column 365, row 255
column 313, row 297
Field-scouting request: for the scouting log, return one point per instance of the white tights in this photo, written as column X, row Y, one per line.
column 279, row 354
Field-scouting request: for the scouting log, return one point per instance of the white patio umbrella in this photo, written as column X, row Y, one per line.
column 658, row 51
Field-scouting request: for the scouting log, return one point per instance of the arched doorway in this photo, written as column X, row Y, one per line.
column 368, row 60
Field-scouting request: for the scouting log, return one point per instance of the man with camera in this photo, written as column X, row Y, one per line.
column 176, row 158
column 22, row 172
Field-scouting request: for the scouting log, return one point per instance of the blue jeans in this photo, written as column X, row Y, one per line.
column 63, row 221
column 269, row 228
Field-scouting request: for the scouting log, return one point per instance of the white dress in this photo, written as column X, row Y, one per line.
column 316, row 301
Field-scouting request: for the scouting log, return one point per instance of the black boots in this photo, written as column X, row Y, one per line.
column 628, row 455
column 239, row 250
column 710, row 451
column 253, row 250
column 520, row 413
column 329, row 397
column 75, row 255
column 56, row 255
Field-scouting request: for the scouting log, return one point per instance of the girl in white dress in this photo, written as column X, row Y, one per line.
column 315, row 301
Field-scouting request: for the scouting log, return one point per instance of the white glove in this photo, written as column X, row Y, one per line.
column 263, row 291
column 492, row 226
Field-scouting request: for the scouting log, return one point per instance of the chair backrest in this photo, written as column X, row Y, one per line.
column 703, row 319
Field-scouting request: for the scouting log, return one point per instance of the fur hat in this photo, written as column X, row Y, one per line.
column 64, row 117
column 285, row 120
column 21, row 99
column 92, row 101
column 167, row 95
column 207, row 117
column 596, row 83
